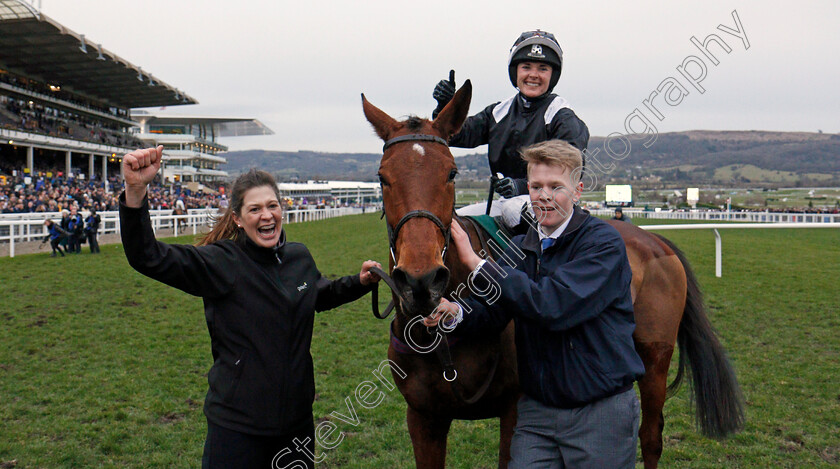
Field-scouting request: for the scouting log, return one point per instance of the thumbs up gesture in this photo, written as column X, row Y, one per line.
column 443, row 93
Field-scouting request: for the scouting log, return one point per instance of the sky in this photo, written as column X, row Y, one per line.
column 299, row 67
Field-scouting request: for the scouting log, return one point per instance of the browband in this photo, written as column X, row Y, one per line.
column 414, row 137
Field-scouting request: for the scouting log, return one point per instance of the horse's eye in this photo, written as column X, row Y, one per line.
column 452, row 174
column 382, row 179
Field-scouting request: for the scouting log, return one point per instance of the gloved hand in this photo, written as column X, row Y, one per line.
column 510, row 187
column 512, row 210
column 444, row 91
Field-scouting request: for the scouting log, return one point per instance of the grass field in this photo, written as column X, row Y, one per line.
column 102, row 367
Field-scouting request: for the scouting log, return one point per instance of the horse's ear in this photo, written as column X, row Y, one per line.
column 452, row 117
column 383, row 124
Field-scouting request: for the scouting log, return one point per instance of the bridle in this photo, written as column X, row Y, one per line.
column 442, row 349
column 393, row 233
column 414, row 138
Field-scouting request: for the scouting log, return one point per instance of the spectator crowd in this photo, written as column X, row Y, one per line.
column 56, row 193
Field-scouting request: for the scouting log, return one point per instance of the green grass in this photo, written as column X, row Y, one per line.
column 753, row 173
column 102, row 367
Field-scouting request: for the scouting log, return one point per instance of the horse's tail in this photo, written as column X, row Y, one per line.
column 719, row 404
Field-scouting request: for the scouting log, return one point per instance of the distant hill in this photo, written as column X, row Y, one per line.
column 699, row 156
column 303, row 165
column 730, row 158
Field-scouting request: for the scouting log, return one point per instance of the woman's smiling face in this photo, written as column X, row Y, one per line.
column 533, row 78
column 261, row 216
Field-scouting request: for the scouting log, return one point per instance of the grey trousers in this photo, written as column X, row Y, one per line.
column 600, row 435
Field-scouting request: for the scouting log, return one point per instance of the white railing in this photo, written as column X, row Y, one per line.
column 757, row 217
column 315, row 214
column 28, row 227
column 716, row 226
column 27, row 230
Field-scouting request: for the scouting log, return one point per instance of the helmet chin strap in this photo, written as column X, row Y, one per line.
column 527, row 102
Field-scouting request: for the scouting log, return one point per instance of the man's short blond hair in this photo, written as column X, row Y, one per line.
column 557, row 153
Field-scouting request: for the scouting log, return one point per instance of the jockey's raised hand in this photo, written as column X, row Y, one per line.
column 139, row 169
column 443, row 93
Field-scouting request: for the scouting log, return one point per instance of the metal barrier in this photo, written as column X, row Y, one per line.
column 716, row 226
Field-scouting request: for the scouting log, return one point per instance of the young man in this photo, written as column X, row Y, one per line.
column 534, row 114
column 619, row 215
column 569, row 296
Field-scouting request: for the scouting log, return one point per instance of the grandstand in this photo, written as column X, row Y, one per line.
column 66, row 108
column 190, row 149
column 339, row 192
column 65, row 101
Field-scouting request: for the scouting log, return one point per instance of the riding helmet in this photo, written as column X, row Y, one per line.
column 536, row 46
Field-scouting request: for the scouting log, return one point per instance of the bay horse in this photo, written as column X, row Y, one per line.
column 181, row 221
column 417, row 173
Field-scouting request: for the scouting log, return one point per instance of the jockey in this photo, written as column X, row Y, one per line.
column 534, row 114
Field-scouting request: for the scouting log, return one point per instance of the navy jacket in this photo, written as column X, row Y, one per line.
column 55, row 232
column 509, row 125
column 572, row 309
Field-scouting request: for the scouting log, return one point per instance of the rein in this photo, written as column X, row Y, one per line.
column 375, row 293
column 450, row 374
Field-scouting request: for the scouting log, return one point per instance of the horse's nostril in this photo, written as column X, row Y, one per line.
column 439, row 280
column 400, row 278
column 428, row 286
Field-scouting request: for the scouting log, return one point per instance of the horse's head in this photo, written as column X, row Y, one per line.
column 417, row 173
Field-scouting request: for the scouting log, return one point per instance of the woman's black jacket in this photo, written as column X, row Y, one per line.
column 259, row 304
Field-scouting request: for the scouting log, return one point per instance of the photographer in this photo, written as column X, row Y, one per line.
column 54, row 236
column 75, row 226
column 91, row 229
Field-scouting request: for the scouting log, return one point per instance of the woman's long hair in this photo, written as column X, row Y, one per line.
column 225, row 227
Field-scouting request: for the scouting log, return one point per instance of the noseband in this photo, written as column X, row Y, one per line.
column 393, row 233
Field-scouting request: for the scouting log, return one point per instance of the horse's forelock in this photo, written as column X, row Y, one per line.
column 414, row 123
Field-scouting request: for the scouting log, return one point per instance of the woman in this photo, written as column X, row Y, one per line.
column 534, row 114
column 260, row 293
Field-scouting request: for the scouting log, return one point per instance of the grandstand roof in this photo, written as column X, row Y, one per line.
column 37, row 47
column 223, row 126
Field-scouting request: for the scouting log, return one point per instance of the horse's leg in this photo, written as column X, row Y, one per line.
column 428, row 436
column 652, row 387
column 506, row 423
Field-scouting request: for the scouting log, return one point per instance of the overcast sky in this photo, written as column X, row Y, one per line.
column 299, row 67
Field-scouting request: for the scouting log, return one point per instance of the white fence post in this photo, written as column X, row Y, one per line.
column 717, row 226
